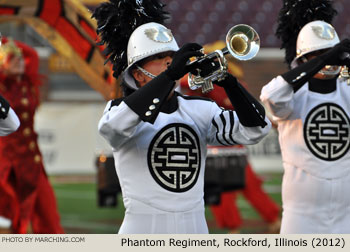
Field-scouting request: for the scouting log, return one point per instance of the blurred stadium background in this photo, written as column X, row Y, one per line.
column 71, row 107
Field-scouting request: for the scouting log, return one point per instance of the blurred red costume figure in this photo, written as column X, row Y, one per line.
column 227, row 214
column 25, row 193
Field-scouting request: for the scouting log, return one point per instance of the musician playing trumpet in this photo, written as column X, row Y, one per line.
column 158, row 136
column 311, row 106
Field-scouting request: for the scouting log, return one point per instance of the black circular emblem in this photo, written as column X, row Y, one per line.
column 326, row 131
column 174, row 157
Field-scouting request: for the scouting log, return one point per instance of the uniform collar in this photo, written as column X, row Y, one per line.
column 323, row 86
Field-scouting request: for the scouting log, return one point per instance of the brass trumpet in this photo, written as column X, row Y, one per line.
column 344, row 70
column 344, row 73
column 242, row 42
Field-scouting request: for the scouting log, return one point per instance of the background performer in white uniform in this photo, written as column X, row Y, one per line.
column 312, row 108
column 9, row 121
column 159, row 137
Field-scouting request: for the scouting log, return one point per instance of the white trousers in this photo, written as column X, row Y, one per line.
column 141, row 218
column 314, row 205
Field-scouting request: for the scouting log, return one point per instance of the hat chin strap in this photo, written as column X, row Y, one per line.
column 144, row 71
column 130, row 81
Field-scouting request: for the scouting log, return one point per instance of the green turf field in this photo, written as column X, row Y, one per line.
column 79, row 212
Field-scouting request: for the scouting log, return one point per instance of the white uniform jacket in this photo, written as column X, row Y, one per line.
column 161, row 165
column 314, row 128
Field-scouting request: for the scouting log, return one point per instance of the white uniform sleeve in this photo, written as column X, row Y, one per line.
column 277, row 96
column 9, row 124
column 118, row 124
column 227, row 130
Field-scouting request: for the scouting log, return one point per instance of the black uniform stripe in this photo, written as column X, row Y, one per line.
column 186, row 97
column 217, row 132
column 222, row 117
column 232, row 123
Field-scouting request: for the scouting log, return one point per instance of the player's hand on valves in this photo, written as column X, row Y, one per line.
column 205, row 67
column 339, row 55
column 178, row 67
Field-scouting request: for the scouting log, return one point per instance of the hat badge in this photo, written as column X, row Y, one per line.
column 159, row 34
column 324, row 31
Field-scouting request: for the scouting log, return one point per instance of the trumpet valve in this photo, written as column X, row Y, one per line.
column 344, row 73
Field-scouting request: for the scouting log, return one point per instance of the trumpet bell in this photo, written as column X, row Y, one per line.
column 242, row 42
